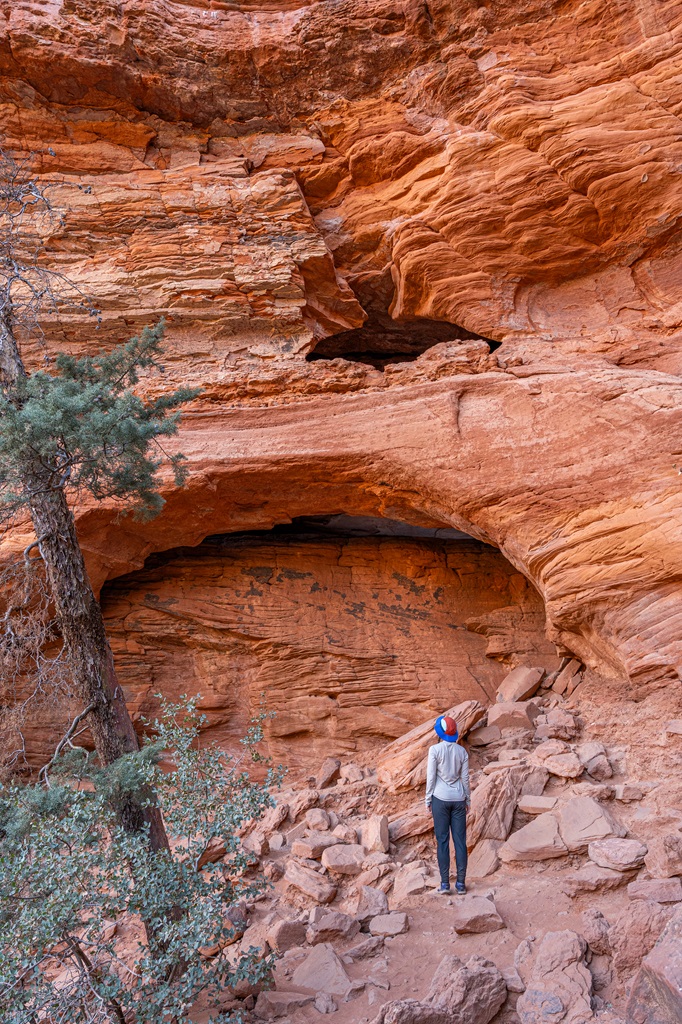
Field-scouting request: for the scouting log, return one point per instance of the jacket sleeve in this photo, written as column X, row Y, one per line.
column 465, row 778
column 430, row 775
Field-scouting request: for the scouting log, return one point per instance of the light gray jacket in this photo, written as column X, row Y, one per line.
column 447, row 773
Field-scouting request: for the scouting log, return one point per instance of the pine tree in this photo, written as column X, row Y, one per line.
column 77, row 428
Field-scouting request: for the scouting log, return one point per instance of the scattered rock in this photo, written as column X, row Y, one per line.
column 313, row 846
column 635, row 933
column 617, row 854
column 331, row 927
column 302, row 802
column 328, row 773
column 484, row 859
column 538, row 840
column 271, row 1004
column 656, row 993
column 372, row 902
column 285, row 934
column 658, row 890
column 475, row 914
column 556, row 724
column 274, row 818
column 513, row 980
column 593, row 758
column 513, row 715
column 344, row 859
column 415, row 821
column 273, row 871
column 484, row 735
column 317, row 818
column 592, row 878
column 566, row 679
column 324, row 1003
column 536, row 804
column 595, row 790
column 596, row 931
column 560, row 985
column 664, row 858
column 369, row 947
column 322, row 971
column 520, row 684
column 394, row 923
column 374, row 833
column 256, row 843
column 627, row 792
column 310, row 882
column 352, row 773
column 558, row 759
column 345, row 833
column 582, row 821
column 410, row 880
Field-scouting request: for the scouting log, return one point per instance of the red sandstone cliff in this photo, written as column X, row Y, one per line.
column 268, row 175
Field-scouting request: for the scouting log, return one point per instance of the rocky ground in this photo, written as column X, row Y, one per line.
column 574, row 903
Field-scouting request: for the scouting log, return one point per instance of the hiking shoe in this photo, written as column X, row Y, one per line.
column 444, row 888
column 460, row 888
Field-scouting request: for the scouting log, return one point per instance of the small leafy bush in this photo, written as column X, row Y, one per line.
column 68, row 873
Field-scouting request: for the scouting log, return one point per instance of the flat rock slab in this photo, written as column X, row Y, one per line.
column 322, row 971
column 331, row 927
column 520, row 684
column 484, row 859
column 582, row 821
column 372, row 902
column 536, row 804
column 475, row 914
column 344, row 859
column 313, row 846
column 658, row 890
column 538, row 840
column 484, row 735
column 384, row 925
column 617, row 854
column 513, row 715
column 310, row 882
column 592, row 878
column 271, row 1005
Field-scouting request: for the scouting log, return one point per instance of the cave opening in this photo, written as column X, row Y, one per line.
column 382, row 341
column 354, row 629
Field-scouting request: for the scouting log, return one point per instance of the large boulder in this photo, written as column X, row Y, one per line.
column 513, row 715
column 495, row 798
column 371, row 903
column 331, row 927
column 520, row 684
column 484, row 860
column 538, row 840
column 310, row 882
column 344, row 859
column 322, row 971
column 374, row 833
column 475, row 914
column 559, row 990
column 460, row 993
column 656, row 993
column 617, row 854
column 583, row 821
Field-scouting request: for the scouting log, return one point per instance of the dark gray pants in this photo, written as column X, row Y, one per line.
column 450, row 817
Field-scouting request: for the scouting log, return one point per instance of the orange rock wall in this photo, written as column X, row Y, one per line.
column 350, row 641
column 267, row 174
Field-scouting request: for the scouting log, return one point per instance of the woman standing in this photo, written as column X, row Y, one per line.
column 448, row 797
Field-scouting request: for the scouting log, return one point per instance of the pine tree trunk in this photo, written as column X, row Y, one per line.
column 90, row 658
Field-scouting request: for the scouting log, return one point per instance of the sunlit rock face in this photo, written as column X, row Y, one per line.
column 423, row 259
column 351, row 641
